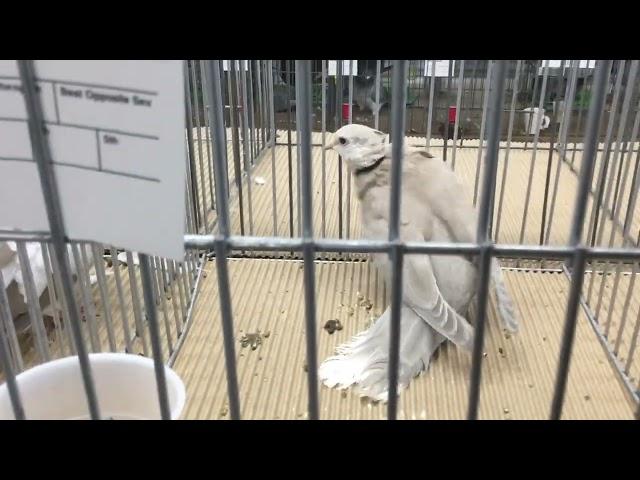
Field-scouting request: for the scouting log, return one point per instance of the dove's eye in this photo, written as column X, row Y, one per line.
column 342, row 140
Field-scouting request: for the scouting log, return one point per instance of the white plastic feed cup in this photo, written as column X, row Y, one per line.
column 125, row 387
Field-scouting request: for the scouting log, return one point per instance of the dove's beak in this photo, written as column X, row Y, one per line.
column 331, row 144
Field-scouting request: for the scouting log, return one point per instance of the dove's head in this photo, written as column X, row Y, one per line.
column 359, row 145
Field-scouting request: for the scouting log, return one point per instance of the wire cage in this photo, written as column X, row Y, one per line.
column 277, row 273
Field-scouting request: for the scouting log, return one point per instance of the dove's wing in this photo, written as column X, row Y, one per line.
column 449, row 204
column 422, row 294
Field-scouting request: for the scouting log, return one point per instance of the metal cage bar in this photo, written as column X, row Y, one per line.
column 303, row 124
column 220, row 159
column 496, row 100
column 49, row 186
column 578, row 260
column 398, row 106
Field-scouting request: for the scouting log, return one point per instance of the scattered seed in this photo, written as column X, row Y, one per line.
column 350, row 311
column 332, row 325
column 484, row 354
column 253, row 340
column 506, row 411
column 343, row 394
column 587, row 398
column 224, row 411
column 266, row 334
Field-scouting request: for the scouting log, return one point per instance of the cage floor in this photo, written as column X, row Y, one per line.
column 267, row 297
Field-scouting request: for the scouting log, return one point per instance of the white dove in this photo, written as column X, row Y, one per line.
column 437, row 289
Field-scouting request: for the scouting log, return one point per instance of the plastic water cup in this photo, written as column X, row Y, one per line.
column 125, row 388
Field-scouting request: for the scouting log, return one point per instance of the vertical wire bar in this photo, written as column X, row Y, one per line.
column 568, row 108
column 207, row 139
column 192, row 92
column 220, row 158
column 604, row 205
column 115, row 264
column 512, row 112
column 495, row 104
column 324, row 133
column 9, row 328
column 57, row 277
column 552, row 141
column 5, row 357
column 266, row 74
column 248, row 85
column 53, row 205
column 272, row 117
column 192, row 179
column 536, row 137
column 566, row 119
column 33, row 305
column 630, row 209
column 104, row 296
column 260, row 106
column 398, row 107
column 154, row 333
column 376, row 114
column 303, row 123
column 180, row 312
column 339, row 96
column 533, row 97
column 604, row 162
column 625, row 309
column 246, row 143
column 625, row 233
column 626, row 106
column 348, row 171
column 482, row 130
column 89, row 311
column 53, row 299
column 185, row 288
column 188, row 267
column 137, row 307
column 604, row 159
column 160, row 301
column 289, row 151
column 576, row 132
column 233, row 95
column 445, row 130
column 457, row 121
column 634, row 343
column 432, row 86
column 577, row 274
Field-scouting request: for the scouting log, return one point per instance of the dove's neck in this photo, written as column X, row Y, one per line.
column 372, row 159
column 372, row 166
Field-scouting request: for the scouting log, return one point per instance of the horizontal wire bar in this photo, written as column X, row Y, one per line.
column 381, row 246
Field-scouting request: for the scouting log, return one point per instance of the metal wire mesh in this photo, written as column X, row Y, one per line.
column 236, row 119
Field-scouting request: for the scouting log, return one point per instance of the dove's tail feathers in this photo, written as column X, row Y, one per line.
column 364, row 362
column 505, row 304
